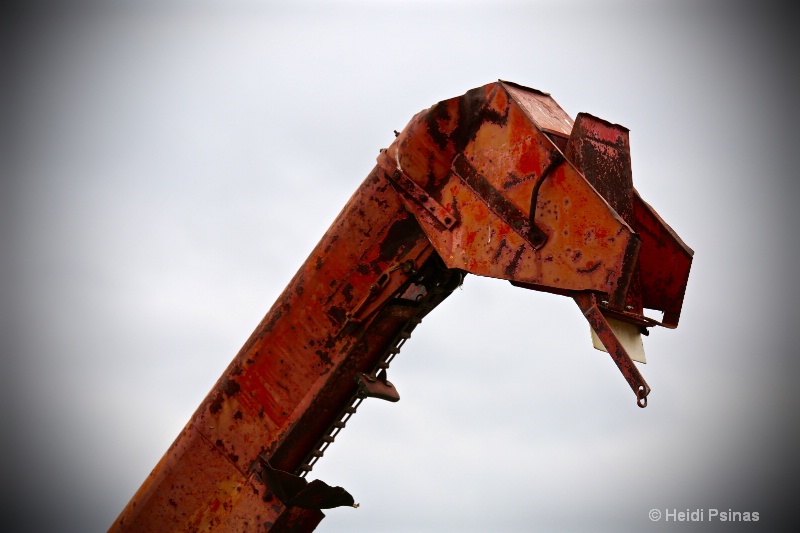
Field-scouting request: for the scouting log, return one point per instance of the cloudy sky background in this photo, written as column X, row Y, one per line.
column 168, row 166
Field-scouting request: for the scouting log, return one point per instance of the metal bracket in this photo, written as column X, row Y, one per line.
column 377, row 387
column 421, row 196
column 355, row 316
column 508, row 212
column 295, row 491
column 588, row 305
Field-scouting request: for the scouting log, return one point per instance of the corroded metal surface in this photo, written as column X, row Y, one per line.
column 482, row 156
column 498, row 182
column 601, row 151
column 664, row 263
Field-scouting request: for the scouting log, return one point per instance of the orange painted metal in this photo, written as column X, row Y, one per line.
column 498, row 182
column 482, row 156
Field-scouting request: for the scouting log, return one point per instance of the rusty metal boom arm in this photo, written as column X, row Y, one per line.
column 499, row 182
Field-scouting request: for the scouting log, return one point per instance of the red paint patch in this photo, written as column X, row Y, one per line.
column 529, row 161
column 559, row 176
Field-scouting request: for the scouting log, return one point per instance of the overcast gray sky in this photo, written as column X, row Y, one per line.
column 168, row 166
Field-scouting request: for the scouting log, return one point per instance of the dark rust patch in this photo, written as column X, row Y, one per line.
column 402, row 233
column 499, row 251
column 273, row 319
column 456, row 210
column 323, row 356
column 472, row 113
column 331, row 243
column 438, row 113
column 629, row 261
column 347, row 292
column 511, row 180
column 589, row 269
column 216, row 404
column 511, row 268
column 229, row 387
column 337, row 314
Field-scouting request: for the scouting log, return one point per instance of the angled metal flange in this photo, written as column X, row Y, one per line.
column 588, row 304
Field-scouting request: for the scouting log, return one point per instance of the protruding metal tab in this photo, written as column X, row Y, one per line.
column 377, row 387
column 295, row 491
column 588, row 305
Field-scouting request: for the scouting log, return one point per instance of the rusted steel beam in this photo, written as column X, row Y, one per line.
column 498, row 182
column 588, row 304
column 292, row 377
